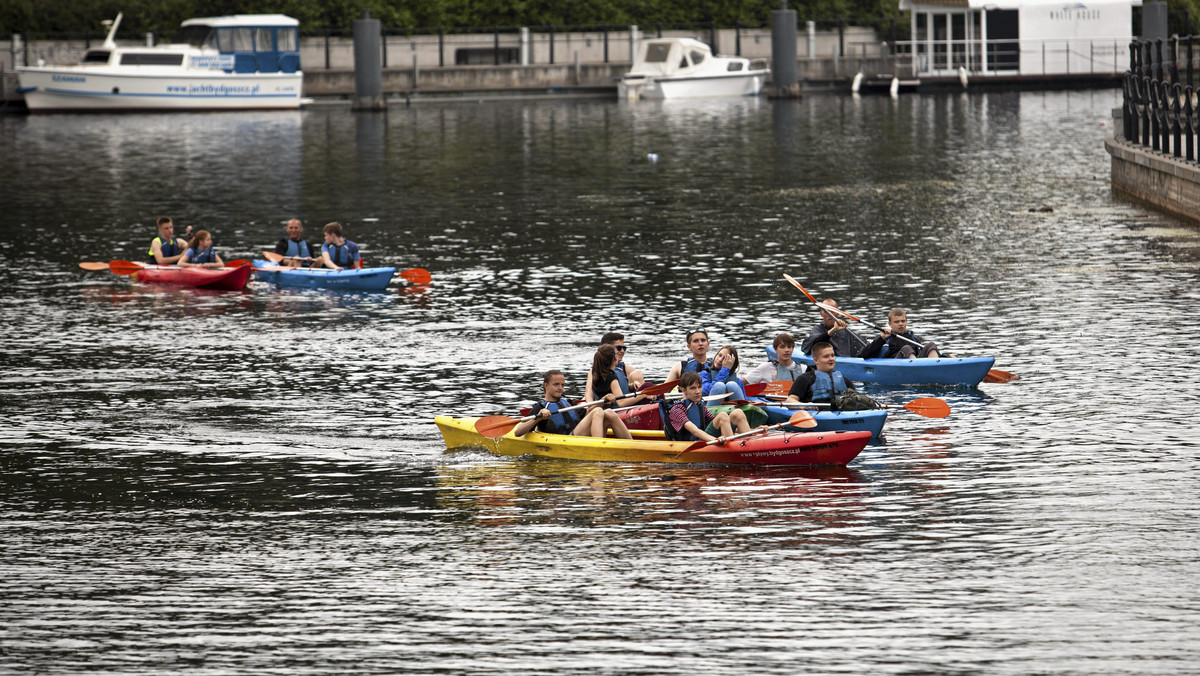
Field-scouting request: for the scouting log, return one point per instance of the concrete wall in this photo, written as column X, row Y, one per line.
column 1160, row 180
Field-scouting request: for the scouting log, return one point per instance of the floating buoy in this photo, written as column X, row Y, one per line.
column 894, row 90
column 854, row 86
column 653, row 157
column 962, row 76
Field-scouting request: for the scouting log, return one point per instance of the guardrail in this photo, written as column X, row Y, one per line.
column 1159, row 102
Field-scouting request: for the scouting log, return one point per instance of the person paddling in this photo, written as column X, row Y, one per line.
column 167, row 249
column 822, row 383
column 780, row 368
column 338, row 252
column 604, row 379
column 833, row 330
column 293, row 247
column 689, row 419
column 697, row 342
column 200, row 252
column 889, row 345
column 551, row 420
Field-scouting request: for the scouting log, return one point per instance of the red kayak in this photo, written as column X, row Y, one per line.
column 230, row 279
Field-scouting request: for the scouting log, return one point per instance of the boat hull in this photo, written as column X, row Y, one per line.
column 966, row 371
column 647, row 417
column 229, row 279
column 810, row 449
column 748, row 83
column 91, row 89
column 365, row 279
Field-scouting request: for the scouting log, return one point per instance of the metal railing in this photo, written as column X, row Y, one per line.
column 1159, row 107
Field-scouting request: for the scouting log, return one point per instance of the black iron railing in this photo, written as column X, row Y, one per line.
column 1160, row 100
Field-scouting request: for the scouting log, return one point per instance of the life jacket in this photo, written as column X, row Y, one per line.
column 691, row 364
column 695, row 413
column 297, row 249
column 622, row 377
column 209, row 255
column 168, row 248
column 561, row 422
column 887, row 348
column 340, row 255
column 782, row 373
column 731, row 378
column 825, row 388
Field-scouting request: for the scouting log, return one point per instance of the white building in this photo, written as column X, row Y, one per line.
column 1019, row 37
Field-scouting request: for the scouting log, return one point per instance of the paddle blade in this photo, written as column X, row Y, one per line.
column 929, row 407
column 239, row 263
column 94, row 266
column 792, row 280
column 495, row 426
column 124, row 267
column 417, row 275
column 993, row 376
column 802, row 419
column 663, row 388
column 755, row 389
column 777, row 388
column 272, row 256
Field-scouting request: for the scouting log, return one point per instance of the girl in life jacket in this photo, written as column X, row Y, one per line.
column 722, row 376
column 690, row 420
column 606, row 379
column 200, row 252
column 697, row 342
column 550, row 419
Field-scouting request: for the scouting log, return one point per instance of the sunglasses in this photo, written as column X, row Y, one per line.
column 619, row 348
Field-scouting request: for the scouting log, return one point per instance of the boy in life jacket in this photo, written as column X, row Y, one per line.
column 167, row 249
column 338, row 252
column 697, row 342
column 780, row 368
column 889, row 346
column 820, row 384
column 297, row 251
column 579, row 422
column 689, row 419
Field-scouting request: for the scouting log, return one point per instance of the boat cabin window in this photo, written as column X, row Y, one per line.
column 96, row 56
column 657, row 53
column 236, row 39
column 736, row 65
column 263, row 41
column 697, row 57
column 151, row 59
column 285, row 39
column 197, row 36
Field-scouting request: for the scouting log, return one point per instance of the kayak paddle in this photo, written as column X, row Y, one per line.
column 496, row 426
column 417, row 275
column 755, row 389
column 125, row 267
column 929, row 407
column 998, row 376
column 798, row 419
column 93, row 266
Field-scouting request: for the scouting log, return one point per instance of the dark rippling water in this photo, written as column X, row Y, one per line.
column 252, row 482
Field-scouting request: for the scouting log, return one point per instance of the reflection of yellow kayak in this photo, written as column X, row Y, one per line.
column 810, row 448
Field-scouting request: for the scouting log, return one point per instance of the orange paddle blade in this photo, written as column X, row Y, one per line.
column 929, row 407
column 777, row 388
column 124, row 267
column 655, row 390
column 793, row 282
column 272, row 256
column 94, row 266
column 993, row 376
column 755, row 389
column 417, row 275
column 495, row 426
column 802, row 419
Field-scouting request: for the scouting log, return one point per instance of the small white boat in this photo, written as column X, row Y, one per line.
column 676, row 68
column 247, row 61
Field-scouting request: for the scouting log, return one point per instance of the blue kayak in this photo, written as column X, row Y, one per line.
column 967, row 371
column 830, row 421
column 365, row 279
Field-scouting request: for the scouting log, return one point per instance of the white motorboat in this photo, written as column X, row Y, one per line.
column 247, row 61
column 675, row 68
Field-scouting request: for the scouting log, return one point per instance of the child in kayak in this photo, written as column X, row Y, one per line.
column 697, row 342
column 822, row 383
column 889, row 346
column 722, row 376
column 338, row 252
column 689, row 419
column 200, row 253
column 780, row 368
column 580, row 422
column 167, row 249
column 604, row 381
column 631, row 379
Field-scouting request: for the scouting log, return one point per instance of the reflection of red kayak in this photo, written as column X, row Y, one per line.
column 231, row 279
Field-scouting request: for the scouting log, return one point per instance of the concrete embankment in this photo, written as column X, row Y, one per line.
column 1156, row 178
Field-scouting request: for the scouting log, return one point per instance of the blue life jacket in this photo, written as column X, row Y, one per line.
column 883, row 351
column 168, row 248
column 341, row 255
column 695, row 413
column 691, row 364
column 560, row 422
column 622, row 377
column 782, row 373
column 297, row 249
column 825, row 388
column 209, row 255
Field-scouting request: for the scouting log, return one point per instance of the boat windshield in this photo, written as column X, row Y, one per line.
column 196, row 36
column 657, row 53
column 96, row 56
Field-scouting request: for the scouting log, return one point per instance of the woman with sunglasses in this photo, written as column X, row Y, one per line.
column 605, row 379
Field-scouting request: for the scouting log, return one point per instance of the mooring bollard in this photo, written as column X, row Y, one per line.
column 368, row 67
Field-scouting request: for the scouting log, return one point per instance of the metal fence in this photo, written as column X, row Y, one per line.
column 1160, row 101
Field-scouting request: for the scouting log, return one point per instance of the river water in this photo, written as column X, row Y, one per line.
column 252, row 482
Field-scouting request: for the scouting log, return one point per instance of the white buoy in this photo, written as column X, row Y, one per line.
column 653, row 157
column 962, row 76
column 854, row 86
column 895, row 88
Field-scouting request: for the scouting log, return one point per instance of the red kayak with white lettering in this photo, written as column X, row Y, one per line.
column 229, row 279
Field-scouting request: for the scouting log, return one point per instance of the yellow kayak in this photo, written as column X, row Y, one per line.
column 789, row 448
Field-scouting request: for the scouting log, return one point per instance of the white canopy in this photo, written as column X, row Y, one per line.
column 242, row 20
